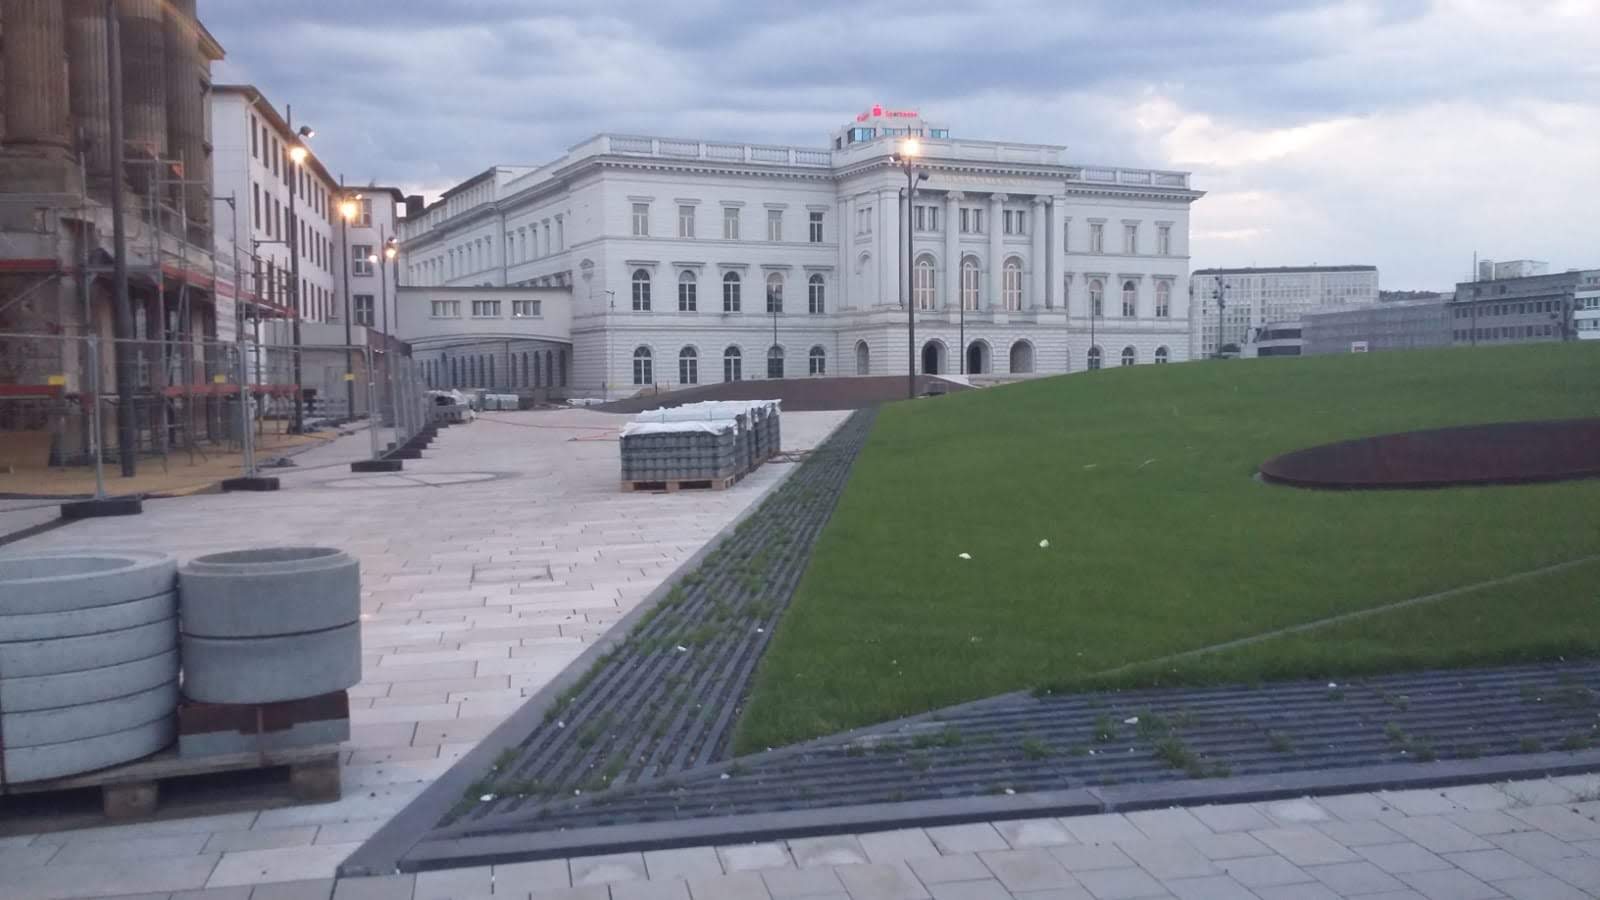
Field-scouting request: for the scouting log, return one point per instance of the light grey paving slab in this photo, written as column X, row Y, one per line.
column 586, row 892
column 238, row 892
column 1263, row 871
column 1298, row 811
column 1420, row 802
column 383, row 887
column 1121, row 884
column 1354, row 878
column 733, row 886
column 1561, row 822
column 1313, row 891
column 1486, row 822
column 538, row 875
column 450, row 884
column 280, row 864
column 1541, row 888
column 1167, row 823
column 797, row 882
column 654, row 889
column 176, row 845
column 106, row 879
column 1449, row 884
column 1478, row 797
column 748, row 857
column 1394, row 895
column 955, row 867
column 1492, row 865
column 834, row 850
column 263, row 839
column 1105, row 828
column 685, row 862
column 969, row 838
column 1578, row 871
column 1026, row 870
column 1077, row 892
column 1230, row 845
column 1360, row 834
column 19, row 855
column 1438, row 834
column 1357, row 807
column 1211, row 887
column 988, row 889
column 606, row 868
column 881, row 881
column 1024, row 833
column 1164, row 859
column 1084, row 857
column 1403, row 857
column 1537, row 792
column 1305, row 846
column 1231, row 817
column 1534, row 846
column 319, row 889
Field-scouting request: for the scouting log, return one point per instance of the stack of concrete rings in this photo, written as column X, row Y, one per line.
column 269, row 625
column 88, row 660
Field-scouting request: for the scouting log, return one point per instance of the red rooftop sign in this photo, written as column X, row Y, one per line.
column 878, row 112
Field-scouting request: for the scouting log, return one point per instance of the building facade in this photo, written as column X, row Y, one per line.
column 1250, row 298
column 1397, row 325
column 1586, row 312
column 1519, row 310
column 691, row 262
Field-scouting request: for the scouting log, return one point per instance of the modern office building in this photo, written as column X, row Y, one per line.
column 1250, row 298
column 1519, row 310
column 694, row 261
column 1586, row 312
column 1373, row 328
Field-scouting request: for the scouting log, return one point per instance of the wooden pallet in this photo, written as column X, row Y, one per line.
column 681, row 484
column 133, row 790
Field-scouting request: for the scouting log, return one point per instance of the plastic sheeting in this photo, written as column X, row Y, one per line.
column 708, row 426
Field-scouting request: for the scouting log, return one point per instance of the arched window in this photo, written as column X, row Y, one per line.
column 730, row 294
column 1011, row 286
column 969, row 283
column 774, row 293
column 1094, row 358
column 732, row 364
column 863, row 358
column 641, row 290
column 1021, row 358
column 1161, row 356
column 1130, row 299
column 815, row 292
column 819, row 360
column 1163, row 300
column 775, row 361
column 1129, row 356
column 643, row 371
column 688, row 287
column 688, row 366
column 1097, row 299
column 922, row 283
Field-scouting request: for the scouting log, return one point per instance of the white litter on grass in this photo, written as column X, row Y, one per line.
column 682, row 649
column 486, row 798
column 1010, row 791
column 724, row 776
column 1146, row 463
column 1332, row 685
column 1044, row 543
column 965, row 555
column 560, row 724
column 1131, row 720
column 1091, row 465
column 760, row 630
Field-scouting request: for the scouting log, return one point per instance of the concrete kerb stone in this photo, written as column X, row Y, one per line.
column 271, row 669
column 76, row 654
column 381, row 854
column 92, row 620
column 61, row 724
column 270, row 591
column 60, row 580
column 88, row 686
column 23, row 764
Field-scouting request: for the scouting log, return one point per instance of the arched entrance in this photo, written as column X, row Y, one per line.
column 978, row 358
column 1021, row 358
column 933, row 358
column 863, row 358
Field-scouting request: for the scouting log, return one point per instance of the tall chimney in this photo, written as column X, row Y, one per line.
column 90, row 86
column 144, row 81
column 35, row 77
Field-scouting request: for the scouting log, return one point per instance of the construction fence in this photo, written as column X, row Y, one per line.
column 78, row 413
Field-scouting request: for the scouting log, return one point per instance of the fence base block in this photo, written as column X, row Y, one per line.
column 376, row 465
column 110, row 506
column 405, row 453
column 250, row 483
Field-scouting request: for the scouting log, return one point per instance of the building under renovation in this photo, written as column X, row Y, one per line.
column 57, row 93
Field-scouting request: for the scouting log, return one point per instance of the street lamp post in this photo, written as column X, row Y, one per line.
column 297, row 155
column 1220, row 294
column 906, row 158
column 391, row 253
column 347, row 211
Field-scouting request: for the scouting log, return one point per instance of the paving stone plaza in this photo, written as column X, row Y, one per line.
column 492, row 564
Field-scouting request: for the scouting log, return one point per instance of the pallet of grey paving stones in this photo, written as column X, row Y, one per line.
column 673, row 485
column 133, row 790
column 221, row 729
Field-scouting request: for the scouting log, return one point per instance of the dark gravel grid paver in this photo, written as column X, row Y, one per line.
column 797, row 394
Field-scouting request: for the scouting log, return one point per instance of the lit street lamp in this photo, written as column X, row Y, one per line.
column 391, row 253
column 1220, row 294
column 906, row 158
column 297, row 156
column 347, row 211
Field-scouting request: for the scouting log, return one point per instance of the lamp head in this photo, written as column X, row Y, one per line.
column 911, row 148
column 347, row 208
column 306, row 131
column 298, row 154
column 390, row 251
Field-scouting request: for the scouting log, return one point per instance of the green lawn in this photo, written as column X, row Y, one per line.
column 1161, row 541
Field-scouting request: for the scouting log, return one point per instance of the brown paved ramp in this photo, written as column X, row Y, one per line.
column 797, row 394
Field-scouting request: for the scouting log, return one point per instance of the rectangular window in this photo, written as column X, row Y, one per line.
column 255, row 140
column 358, row 259
column 730, row 223
column 255, row 202
column 816, row 228
column 486, row 309
column 275, row 156
column 966, row 220
column 446, row 309
column 686, row 221
column 1130, row 239
column 1164, row 240
column 641, row 220
column 774, row 224
column 977, row 221
column 363, row 309
column 1015, row 221
column 1097, row 237
column 525, row 309
column 864, row 220
column 364, row 213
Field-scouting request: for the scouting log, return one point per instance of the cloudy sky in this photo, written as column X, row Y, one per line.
column 1406, row 134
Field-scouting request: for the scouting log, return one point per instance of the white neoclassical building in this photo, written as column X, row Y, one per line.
column 693, row 262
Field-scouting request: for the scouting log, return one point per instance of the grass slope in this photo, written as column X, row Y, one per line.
column 1161, row 540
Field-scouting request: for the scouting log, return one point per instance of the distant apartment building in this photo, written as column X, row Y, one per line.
column 1586, row 312
column 1526, row 309
column 1230, row 306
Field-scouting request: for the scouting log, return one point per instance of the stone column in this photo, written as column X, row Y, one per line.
column 186, row 122
column 1058, row 250
column 844, row 233
column 996, row 252
column 90, row 82
column 952, row 250
column 1039, row 222
column 36, row 112
column 889, row 248
column 144, row 84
